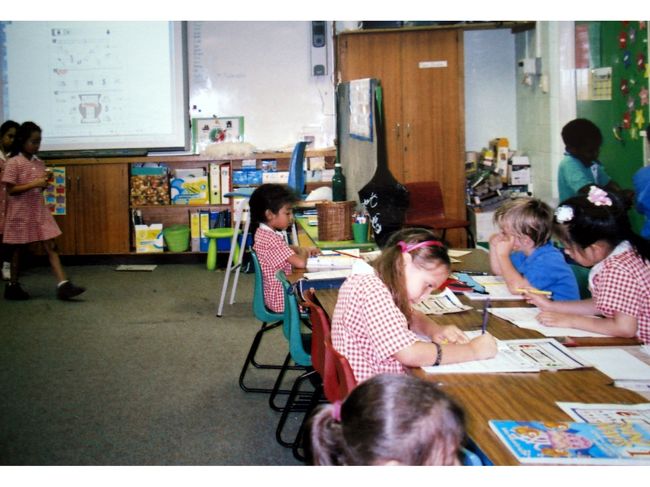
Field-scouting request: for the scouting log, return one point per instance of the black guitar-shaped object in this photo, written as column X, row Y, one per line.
column 384, row 197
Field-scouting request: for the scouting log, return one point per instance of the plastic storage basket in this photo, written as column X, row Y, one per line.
column 177, row 238
column 335, row 220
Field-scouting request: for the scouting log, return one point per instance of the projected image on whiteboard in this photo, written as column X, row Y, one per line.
column 97, row 85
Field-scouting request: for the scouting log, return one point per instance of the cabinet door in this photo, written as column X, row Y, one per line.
column 378, row 55
column 97, row 213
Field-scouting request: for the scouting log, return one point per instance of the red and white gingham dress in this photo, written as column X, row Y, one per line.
column 27, row 218
column 3, row 193
column 368, row 328
column 272, row 252
column 622, row 284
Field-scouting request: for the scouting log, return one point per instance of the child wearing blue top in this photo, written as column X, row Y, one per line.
column 580, row 167
column 523, row 254
column 641, row 181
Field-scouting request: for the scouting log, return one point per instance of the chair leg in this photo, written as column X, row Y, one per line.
column 471, row 243
column 299, row 442
column 290, row 406
column 278, row 382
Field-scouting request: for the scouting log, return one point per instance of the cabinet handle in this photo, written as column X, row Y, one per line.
column 397, row 129
column 408, row 129
column 78, row 182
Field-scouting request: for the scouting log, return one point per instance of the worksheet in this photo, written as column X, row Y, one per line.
column 526, row 318
column 607, row 413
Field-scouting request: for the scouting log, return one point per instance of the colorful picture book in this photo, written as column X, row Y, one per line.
column 537, row 442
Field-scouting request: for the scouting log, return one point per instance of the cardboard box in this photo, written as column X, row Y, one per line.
column 149, row 186
column 149, row 238
column 215, row 183
column 189, row 187
column 519, row 171
column 482, row 225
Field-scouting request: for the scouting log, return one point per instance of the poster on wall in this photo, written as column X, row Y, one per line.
column 216, row 130
column 54, row 194
column 360, row 109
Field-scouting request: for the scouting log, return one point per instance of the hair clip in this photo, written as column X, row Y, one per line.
column 427, row 243
column 599, row 197
column 564, row 214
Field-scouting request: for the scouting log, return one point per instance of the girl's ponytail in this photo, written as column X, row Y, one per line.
column 326, row 437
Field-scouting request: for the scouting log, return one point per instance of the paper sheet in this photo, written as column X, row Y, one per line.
column 607, row 413
column 496, row 288
column 441, row 303
column 525, row 318
column 616, row 363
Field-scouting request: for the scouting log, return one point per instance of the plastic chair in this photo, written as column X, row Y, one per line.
column 296, row 172
column 427, row 209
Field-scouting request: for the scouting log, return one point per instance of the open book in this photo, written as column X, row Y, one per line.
column 547, row 442
column 331, row 259
column 517, row 356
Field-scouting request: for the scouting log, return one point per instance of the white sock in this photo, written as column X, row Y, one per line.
column 62, row 283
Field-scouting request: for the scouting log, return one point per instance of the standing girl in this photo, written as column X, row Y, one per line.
column 374, row 325
column 7, row 134
column 596, row 233
column 28, row 219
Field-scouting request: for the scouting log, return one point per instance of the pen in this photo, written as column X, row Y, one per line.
column 486, row 305
column 533, row 291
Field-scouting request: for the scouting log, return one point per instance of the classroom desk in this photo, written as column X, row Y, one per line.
column 518, row 396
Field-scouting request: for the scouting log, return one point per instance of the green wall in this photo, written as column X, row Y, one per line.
column 621, row 158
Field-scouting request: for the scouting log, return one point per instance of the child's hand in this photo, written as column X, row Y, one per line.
column 539, row 300
column 41, row 182
column 450, row 334
column 503, row 245
column 550, row 318
column 484, row 346
column 311, row 251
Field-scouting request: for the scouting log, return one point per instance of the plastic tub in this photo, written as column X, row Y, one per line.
column 177, row 238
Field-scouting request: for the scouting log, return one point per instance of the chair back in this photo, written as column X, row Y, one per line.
column 260, row 310
column 296, row 173
column 291, row 323
column 321, row 360
column 425, row 200
column 344, row 374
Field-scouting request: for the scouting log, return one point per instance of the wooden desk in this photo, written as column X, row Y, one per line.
column 518, row 396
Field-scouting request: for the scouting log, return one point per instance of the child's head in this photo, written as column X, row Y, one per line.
column 529, row 220
column 389, row 419
column 27, row 140
column 589, row 223
column 582, row 139
column 7, row 135
column 412, row 264
column 272, row 204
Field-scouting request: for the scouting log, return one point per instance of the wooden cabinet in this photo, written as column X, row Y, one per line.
column 97, row 210
column 421, row 72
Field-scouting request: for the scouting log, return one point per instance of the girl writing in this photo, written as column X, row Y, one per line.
column 7, row 134
column 388, row 420
column 596, row 233
column 28, row 219
column 271, row 207
column 374, row 325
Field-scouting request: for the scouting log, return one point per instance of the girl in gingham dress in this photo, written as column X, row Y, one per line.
column 271, row 207
column 374, row 325
column 7, row 134
column 596, row 233
column 27, row 218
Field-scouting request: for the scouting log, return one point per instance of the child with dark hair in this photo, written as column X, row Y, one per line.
column 523, row 254
column 374, row 325
column 580, row 167
column 28, row 220
column 271, row 211
column 388, row 420
column 596, row 233
column 7, row 134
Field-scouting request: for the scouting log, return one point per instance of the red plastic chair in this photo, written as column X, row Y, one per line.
column 427, row 209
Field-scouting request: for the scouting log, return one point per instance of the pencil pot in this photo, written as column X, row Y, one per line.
column 360, row 232
column 335, row 220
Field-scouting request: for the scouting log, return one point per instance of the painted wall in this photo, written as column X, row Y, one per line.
column 490, row 88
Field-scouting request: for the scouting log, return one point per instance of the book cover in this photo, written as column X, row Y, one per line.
column 575, row 443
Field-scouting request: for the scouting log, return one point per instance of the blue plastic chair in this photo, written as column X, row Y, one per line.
column 296, row 172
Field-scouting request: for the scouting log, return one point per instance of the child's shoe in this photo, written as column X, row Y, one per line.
column 13, row 292
column 67, row 290
column 6, row 271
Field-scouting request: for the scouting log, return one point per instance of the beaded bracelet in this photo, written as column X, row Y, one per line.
column 439, row 354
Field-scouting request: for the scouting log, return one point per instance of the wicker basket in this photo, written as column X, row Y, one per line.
column 335, row 220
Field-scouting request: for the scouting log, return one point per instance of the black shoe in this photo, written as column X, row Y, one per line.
column 13, row 292
column 68, row 290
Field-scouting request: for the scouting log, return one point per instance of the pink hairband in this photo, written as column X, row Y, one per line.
column 427, row 243
column 336, row 411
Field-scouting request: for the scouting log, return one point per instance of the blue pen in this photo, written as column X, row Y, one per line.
column 485, row 316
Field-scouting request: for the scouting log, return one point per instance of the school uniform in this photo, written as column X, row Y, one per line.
column 546, row 269
column 272, row 252
column 573, row 175
column 3, row 192
column 27, row 219
column 368, row 328
column 621, row 283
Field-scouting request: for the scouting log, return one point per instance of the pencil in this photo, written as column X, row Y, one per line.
column 346, row 254
column 486, row 305
column 534, row 291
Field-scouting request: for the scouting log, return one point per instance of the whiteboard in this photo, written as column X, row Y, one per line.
column 262, row 71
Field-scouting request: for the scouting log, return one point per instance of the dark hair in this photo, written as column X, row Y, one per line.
column 7, row 126
column 270, row 197
column 389, row 264
column 389, row 417
column 590, row 223
column 527, row 216
column 580, row 133
column 23, row 133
